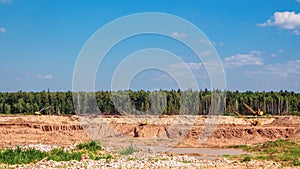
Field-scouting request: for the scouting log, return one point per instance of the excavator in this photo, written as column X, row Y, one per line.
column 41, row 111
column 255, row 122
column 257, row 113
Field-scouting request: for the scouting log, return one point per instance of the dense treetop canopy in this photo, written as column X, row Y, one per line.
column 153, row 102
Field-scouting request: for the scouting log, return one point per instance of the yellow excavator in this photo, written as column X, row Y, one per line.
column 257, row 113
column 41, row 111
column 255, row 122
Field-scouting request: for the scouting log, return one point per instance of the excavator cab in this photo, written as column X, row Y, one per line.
column 259, row 112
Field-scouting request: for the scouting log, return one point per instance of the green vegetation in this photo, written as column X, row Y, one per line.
column 107, row 157
column 160, row 102
column 92, row 149
column 27, row 156
column 19, row 156
column 187, row 161
column 132, row 158
column 91, row 146
column 284, row 151
column 129, row 150
column 63, row 155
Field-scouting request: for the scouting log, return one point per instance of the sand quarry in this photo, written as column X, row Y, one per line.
column 174, row 131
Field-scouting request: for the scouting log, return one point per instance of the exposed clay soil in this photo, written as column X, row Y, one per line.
column 58, row 130
column 65, row 130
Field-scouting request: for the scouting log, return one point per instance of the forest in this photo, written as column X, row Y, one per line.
column 163, row 102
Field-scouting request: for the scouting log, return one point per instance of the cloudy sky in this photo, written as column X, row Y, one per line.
column 257, row 41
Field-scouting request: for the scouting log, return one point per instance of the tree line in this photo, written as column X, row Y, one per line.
column 164, row 102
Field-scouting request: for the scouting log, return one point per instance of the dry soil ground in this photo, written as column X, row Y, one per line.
column 186, row 130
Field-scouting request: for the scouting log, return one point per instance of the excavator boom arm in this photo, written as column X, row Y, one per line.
column 249, row 108
column 45, row 108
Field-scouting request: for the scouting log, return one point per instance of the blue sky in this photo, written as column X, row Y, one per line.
column 257, row 41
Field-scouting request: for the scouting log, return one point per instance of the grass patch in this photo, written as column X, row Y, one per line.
column 284, row 151
column 107, row 157
column 187, row 161
column 63, row 155
column 296, row 162
column 229, row 157
column 239, row 146
column 129, row 150
column 27, row 156
column 92, row 149
column 19, row 156
column 246, row 159
column 91, row 146
column 131, row 158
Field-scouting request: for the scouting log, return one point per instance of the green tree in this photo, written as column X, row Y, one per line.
column 7, row 109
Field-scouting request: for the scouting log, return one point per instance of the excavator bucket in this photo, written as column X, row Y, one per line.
column 37, row 113
column 256, row 123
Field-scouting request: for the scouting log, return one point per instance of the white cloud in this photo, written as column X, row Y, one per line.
column 296, row 32
column 286, row 20
column 237, row 60
column 293, row 67
column 184, row 73
column 203, row 41
column 280, row 51
column 206, row 53
column 218, row 43
column 298, row 0
column 46, row 77
column 285, row 69
column 2, row 30
column 190, row 65
column 276, row 76
column 179, row 35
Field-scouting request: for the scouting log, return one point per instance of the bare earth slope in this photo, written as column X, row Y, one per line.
column 65, row 130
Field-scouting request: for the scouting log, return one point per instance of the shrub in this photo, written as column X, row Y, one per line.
column 63, row 155
column 246, row 159
column 129, row 150
column 89, row 146
column 19, row 156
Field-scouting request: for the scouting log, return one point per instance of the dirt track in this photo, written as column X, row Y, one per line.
column 65, row 130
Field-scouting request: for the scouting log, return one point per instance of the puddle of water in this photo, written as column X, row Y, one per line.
column 199, row 153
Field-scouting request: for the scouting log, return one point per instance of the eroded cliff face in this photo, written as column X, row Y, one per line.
column 186, row 130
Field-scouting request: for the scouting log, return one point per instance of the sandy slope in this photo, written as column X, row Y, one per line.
column 185, row 131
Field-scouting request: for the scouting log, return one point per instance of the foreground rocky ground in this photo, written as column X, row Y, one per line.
column 183, row 131
column 143, row 159
column 166, row 162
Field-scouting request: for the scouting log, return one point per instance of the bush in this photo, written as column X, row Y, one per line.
column 129, row 150
column 89, row 146
column 284, row 151
column 246, row 159
column 19, row 156
column 26, row 156
column 296, row 162
column 63, row 155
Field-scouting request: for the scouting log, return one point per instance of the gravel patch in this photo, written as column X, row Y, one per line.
column 163, row 161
